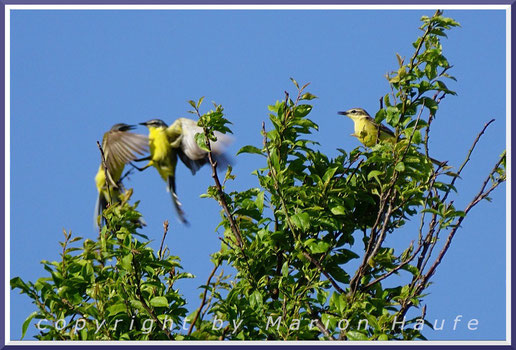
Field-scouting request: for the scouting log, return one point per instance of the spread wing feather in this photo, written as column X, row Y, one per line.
column 122, row 147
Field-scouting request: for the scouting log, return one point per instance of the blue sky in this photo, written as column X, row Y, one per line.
column 76, row 73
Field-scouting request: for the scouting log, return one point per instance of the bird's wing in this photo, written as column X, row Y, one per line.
column 382, row 127
column 121, row 147
column 190, row 153
column 175, row 130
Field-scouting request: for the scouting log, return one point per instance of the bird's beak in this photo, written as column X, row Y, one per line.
column 131, row 127
column 144, row 123
column 343, row 113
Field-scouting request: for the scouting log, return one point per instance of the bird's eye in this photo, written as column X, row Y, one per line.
column 353, row 111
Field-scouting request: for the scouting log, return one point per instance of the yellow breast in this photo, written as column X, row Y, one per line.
column 366, row 132
column 159, row 145
column 100, row 179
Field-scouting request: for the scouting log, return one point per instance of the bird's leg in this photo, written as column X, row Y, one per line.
column 142, row 159
column 140, row 169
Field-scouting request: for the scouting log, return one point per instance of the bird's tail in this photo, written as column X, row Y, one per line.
column 171, row 187
column 100, row 205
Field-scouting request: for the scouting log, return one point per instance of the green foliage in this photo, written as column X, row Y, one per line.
column 292, row 266
column 114, row 288
column 293, row 278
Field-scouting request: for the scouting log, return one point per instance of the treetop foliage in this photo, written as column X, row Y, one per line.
column 290, row 266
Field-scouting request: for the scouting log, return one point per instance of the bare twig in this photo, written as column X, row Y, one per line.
column 321, row 269
column 479, row 197
column 220, row 192
column 323, row 329
column 203, row 301
column 381, row 238
column 431, row 117
column 104, row 165
column 165, row 231
column 468, row 157
column 353, row 284
column 394, row 270
column 354, row 171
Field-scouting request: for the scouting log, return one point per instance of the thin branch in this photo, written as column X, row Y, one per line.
column 220, row 191
column 323, row 329
column 479, row 197
column 468, row 157
column 397, row 268
column 104, row 165
column 321, row 269
column 431, row 117
column 381, row 238
column 165, row 231
column 354, row 171
column 353, row 284
column 203, row 301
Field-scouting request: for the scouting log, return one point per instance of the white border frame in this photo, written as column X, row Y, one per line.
column 7, row 188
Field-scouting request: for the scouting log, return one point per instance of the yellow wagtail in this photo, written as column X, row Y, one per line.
column 169, row 142
column 120, row 147
column 369, row 132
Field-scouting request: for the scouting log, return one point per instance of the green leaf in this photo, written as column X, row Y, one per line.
column 400, row 167
column 127, row 262
column 295, row 82
column 374, row 174
column 318, row 247
column 116, row 309
column 301, row 220
column 383, row 337
column 17, row 282
column 250, row 149
column 259, row 201
column 256, row 300
column 308, row 96
column 200, row 138
column 26, row 323
column 416, row 138
column 200, row 102
column 339, row 274
column 355, row 335
column 329, row 174
column 136, row 304
column 338, row 210
column 302, row 111
column 159, row 302
column 192, row 103
column 380, row 115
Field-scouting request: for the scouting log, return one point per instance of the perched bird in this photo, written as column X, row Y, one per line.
column 119, row 147
column 369, row 132
column 167, row 143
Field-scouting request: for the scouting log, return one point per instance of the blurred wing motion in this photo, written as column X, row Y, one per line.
column 182, row 136
column 120, row 147
column 178, row 140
